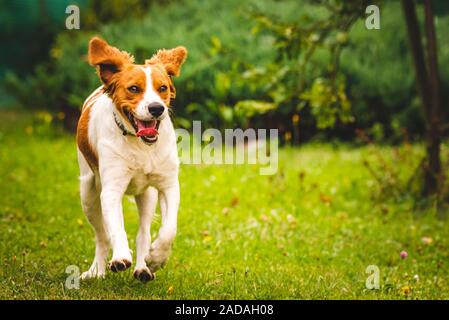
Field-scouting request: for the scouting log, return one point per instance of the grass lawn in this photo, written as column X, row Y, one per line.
column 308, row 232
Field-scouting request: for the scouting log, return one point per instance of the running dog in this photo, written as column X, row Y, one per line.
column 127, row 145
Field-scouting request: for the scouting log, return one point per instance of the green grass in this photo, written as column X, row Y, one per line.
column 309, row 232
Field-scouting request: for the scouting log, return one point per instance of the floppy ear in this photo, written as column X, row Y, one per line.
column 171, row 59
column 108, row 59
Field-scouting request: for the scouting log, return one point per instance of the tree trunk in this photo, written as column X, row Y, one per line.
column 428, row 89
column 434, row 139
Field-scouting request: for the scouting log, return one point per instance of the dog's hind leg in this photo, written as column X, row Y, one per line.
column 90, row 201
column 146, row 204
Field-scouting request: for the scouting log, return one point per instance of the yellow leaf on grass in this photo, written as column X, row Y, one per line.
column 325, row 199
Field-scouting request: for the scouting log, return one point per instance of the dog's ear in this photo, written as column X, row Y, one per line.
column 108, row 59
column 171, row 59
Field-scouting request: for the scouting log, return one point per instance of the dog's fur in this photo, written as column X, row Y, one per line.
column 113, row 161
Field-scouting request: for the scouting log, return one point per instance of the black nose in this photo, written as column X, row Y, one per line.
column 155, row 109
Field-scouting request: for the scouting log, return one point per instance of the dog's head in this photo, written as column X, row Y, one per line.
column 141, row 93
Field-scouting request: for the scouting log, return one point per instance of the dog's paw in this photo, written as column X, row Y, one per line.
column 158, row 257
column 155, row 265
column 92, row 274
column 144, row 275
column 117, row 265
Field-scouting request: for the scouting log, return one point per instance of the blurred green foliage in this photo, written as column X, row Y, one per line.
column 381, row 76
column 243, row 70
column 305, row 73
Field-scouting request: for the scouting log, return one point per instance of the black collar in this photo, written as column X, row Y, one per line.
column 122, row 126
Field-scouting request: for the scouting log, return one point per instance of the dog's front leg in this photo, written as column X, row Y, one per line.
column 146, row 203
column 114, row 181
column 161, row 247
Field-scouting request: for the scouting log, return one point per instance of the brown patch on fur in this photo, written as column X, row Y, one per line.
column 132, row 75
column 108, row 60
column 82, row 137
column 160, row 78
column 171, row 59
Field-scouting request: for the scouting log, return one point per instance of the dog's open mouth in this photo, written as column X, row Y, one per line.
column 147, row 130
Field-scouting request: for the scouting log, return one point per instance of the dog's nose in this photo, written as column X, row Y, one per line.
column 155, row 109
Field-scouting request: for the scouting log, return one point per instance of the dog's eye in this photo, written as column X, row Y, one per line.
column 162, row 88
column 134, row 89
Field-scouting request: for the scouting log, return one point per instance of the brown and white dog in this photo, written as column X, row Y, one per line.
column 127, row 145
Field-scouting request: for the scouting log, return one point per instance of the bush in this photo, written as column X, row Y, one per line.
column 203, row 90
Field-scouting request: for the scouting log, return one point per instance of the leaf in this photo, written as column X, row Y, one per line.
column 235, row 201
column 250, row 108
column 325, row 199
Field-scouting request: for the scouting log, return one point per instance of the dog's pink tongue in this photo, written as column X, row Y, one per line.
column 146, row 130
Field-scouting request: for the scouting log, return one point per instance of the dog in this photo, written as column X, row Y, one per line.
column 126, row 144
